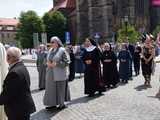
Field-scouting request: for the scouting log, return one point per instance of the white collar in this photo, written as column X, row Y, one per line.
column 90, row 48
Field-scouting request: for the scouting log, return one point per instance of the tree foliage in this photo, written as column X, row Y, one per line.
column 55, row 24
column 128, row 32
column 30, row 23
column 156, row 31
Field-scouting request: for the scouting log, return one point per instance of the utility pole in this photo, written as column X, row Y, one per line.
column 126, row 24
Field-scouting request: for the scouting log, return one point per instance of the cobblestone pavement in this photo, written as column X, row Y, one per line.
column 131, row 101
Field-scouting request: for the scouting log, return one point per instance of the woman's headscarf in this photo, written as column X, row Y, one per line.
column 93, row 42
column 109, row 45
column 56, row 39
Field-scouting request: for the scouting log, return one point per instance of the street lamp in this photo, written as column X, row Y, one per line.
column 97, row 37
column 126, row 23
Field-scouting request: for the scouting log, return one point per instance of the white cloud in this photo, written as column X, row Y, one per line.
column 13, row 8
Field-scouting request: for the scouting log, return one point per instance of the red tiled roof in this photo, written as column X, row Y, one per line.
column 8, row 21
column 65, row 4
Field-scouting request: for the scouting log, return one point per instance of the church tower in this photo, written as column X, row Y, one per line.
column 105, row 17
column 94, row 17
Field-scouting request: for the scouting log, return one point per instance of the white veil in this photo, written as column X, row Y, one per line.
column 3, row 73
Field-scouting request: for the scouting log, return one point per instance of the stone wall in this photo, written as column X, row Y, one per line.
column 82, row 19
column 94, row 16
column 105, row 17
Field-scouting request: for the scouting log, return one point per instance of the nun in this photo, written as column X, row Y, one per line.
column 92, row 76
column 41, row 65
column 56, row 89
column 110, row 71
column 3, row 72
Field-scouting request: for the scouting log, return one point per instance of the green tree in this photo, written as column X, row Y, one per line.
column 55, row 24
column 30, row 23
column 128, row 32
column 156, row 31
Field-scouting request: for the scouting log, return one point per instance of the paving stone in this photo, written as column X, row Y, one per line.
column 131, row 101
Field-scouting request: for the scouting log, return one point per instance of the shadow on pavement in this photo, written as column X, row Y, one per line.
column 156, row 97
column 44, row 114
column 84, row 99
column 141, row 87
column 121, row 84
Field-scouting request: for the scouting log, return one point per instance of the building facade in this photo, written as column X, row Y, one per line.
column 8, row 28
column 68, row 8
column 155, row 13
column 103, row 18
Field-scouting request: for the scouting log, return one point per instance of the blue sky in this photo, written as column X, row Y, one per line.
column 13, row 8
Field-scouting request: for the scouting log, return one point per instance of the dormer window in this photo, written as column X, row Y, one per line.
column 10, row 28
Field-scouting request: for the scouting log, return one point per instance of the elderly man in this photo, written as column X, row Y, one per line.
column 16, row 95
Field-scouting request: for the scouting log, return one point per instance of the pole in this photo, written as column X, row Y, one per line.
column 126, row 27
column 126, row 23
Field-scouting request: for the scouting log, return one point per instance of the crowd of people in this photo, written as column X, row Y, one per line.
column 103, row 68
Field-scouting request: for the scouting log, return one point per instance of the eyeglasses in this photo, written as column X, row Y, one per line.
column 52, row 42
column 8, row 56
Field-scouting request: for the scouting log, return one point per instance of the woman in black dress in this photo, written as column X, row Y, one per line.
column 148, row 53
column 124, row 57
column 110, row 72
column 137, row 59
column 92, row 75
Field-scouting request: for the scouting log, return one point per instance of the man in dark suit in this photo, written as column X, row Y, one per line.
column 16, row 95
column 131, row 49
column 71, row 76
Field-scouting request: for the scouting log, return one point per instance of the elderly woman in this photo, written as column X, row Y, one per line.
column 57, row 91
column 41, row 65
column 3, row 73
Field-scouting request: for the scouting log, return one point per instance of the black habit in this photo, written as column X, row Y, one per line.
column 110, row 72
column 92, row 77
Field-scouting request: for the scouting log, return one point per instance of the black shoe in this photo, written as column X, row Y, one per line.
column 130, row 78
column 126, row 81
column 108, row 86
column 62, row 107
column 41, row 88
column 123, row 81
column 51, row 107
column 100, row 92
column 91, row 95
column 114, row 86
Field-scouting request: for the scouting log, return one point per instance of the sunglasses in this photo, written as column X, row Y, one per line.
column 52, row 42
